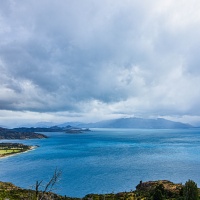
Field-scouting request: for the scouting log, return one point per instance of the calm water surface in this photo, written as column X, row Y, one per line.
column 107, row 160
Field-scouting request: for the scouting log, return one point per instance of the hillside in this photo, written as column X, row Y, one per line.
column 144, row 190
column 12, row 192
column 10, row 134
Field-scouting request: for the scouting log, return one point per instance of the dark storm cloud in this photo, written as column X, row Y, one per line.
column 109, row 56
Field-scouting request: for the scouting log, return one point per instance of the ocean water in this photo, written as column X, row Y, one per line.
column 106, row 160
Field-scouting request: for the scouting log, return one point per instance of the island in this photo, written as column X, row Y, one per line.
column 66, row 129
column 74, row 130
column 7, row 149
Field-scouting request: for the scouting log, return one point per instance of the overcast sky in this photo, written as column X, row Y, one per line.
column 87, row 60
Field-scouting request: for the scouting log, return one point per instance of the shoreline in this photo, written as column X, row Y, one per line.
column 144, row 190
column 13, row 154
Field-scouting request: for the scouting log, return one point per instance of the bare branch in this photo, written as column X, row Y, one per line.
column 49, row 186
column 37, row 185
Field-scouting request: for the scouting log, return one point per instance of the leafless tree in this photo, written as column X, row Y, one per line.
column 48, row 187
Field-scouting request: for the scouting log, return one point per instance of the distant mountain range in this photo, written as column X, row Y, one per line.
column 66, row 129
column 137, row 123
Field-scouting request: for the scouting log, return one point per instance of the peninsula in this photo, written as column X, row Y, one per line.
column 8, row 149
column 10, row 134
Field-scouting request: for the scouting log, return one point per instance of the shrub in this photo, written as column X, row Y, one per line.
column 190, row 190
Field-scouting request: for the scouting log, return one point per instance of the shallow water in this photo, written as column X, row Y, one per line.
column 107, row 160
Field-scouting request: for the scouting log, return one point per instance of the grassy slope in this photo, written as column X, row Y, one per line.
column 7, row 149
column 12, row 192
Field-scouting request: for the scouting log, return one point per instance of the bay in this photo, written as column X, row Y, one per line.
column 106, row 160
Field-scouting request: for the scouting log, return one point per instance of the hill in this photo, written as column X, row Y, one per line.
column 12, row 192
column 11, row 134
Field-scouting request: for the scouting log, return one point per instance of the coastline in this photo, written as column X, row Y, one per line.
column 144, row 190
column 13, row 154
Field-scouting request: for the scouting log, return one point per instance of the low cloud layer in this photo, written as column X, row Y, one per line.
column 99, row 58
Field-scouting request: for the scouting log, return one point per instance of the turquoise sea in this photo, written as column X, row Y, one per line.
column 106, row 160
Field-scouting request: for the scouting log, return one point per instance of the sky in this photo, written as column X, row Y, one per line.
column 91, row 60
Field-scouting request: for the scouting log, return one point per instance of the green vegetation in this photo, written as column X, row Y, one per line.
column 159, row 192
column 7, row 149
column 11, row 192
column 8, row 191
column 4, row 152
column 190, row 191
column 152, row 190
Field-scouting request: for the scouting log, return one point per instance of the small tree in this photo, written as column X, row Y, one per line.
column 158, row 192
column 157, row 195
column 161, row 188
column 190, row 191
